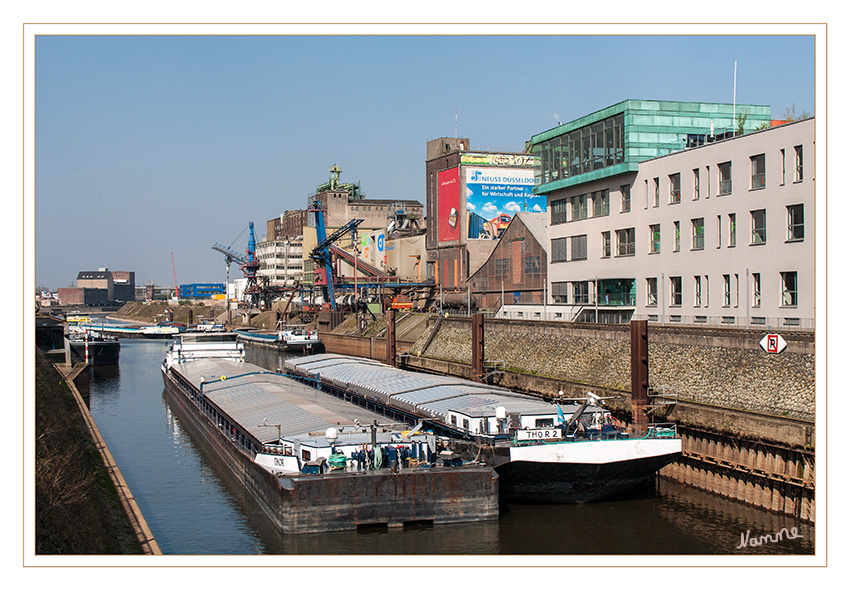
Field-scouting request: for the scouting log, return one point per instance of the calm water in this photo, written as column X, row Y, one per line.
column 195, row 509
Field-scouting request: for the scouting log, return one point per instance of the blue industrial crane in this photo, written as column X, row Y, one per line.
column 254, row 291
column 322, row 254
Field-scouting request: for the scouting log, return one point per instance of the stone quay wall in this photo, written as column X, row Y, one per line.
column 716, row 367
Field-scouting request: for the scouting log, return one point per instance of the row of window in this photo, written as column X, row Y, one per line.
column 291, row 267
column 575, row 247
column 598, row 203
column 531, row 266
column 581, row 207
column 588, row 148
column 621, row 291
column 724, row 178
column 788, row 294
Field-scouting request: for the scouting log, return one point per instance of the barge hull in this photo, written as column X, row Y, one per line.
column 345, row 500
column 99, row 353
column 575, row 483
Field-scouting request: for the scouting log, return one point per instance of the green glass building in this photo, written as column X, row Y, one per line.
column 615, row 139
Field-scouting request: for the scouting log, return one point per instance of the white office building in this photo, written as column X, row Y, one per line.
column 718, row 234
column 281, row 261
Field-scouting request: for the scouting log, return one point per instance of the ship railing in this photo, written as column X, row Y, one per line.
column 660, row 430
column 647, row 431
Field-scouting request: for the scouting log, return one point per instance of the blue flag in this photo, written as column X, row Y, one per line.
column 561, row 415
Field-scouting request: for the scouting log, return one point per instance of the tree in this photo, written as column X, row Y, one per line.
column 741, row 120
column 791, row 114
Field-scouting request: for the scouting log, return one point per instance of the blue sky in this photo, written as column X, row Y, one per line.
column 148, row 145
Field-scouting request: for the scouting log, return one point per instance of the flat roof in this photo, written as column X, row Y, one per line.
column 429, row 394
column 258, row 400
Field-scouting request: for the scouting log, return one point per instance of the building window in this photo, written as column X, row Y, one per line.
column 559, row 250
column 727, row 290
column 501, row 267
column 759, row 219
column 675, row 188
column 796, row 229
column 719, row 231
column 798, row 168
column 725, row 170
column 654, row 239
column 698, row 241
column 532, row 265
column 756, row 289
column 706, row 291
column 578, row 247
column 656, row 197
column 782, row 164
column 676, row 291
column 732, row 232
column 789, row 288
column 697, row 291
column 652, row 292
column 601, row 206
column 626, row 242
column 580, row 292
column 560, row 292
column 737, row 291
column 579, row 206
column 757, row 178
column 626, row 197
column 696, row 184
column 592, row 147
column 676, row 240
column 606, row 244
column 559, row 211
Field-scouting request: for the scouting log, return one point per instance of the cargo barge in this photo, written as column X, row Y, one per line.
column 94, row 350
column 574, row 451
column 290, row 339
column 121, row 331
column 313, row 462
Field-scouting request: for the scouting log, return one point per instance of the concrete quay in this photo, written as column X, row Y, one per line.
column 746, row 418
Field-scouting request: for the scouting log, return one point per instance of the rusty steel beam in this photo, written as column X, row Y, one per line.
column 391, row 347
column 478, row 348
column 640, row 372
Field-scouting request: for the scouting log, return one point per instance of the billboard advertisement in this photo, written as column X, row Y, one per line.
column 448, row 205
column 493, row 195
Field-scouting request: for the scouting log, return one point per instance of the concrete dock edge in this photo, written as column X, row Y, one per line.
column 131, row 508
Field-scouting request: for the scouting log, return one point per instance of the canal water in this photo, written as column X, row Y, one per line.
column 193, row 508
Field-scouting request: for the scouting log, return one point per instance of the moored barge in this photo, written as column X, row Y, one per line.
column 571, row 452
column 94, row 350
column 313, row 462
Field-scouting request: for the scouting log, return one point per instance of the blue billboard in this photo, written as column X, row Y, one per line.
column 493, row 195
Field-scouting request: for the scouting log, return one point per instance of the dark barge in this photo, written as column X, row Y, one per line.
column 258, row 424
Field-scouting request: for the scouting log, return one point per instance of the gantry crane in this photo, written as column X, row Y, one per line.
column 257, row 289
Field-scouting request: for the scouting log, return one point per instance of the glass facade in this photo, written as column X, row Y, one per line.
column 586, row 149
